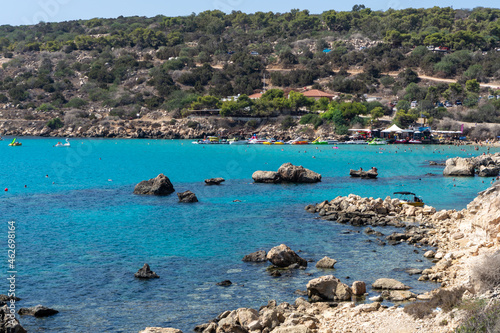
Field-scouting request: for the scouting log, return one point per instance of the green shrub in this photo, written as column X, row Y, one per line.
column 76, row 103
column 444, row 299
column 487, row 272
column 55, row 123
column 172, row 122
column 287, row 122
column 192, row 124
column 482, row 316
column 45, row 107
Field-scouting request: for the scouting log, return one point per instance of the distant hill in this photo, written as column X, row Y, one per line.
column 130, row 66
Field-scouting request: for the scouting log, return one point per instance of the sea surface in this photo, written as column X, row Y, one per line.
column 81, row 233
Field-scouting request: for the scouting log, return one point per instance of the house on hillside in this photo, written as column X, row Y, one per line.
column 317, row 94
column 256, row 96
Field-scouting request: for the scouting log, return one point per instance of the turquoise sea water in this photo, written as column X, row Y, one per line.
column 81, row 234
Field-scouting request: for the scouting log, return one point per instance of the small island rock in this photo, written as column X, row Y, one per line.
column 160, row 185
column 459, row 167
column 37, row 311
column 187, row 196
column 214, row 181
column 283, row 256
column 146, row 273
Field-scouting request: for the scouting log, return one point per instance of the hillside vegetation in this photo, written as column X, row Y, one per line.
column 124, row 68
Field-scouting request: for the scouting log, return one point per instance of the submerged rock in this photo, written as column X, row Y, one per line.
column 160, row 185
column 225, row 283
column 37, row 311
column 187, row 197
column 214, row 181
column 146, row 273
column 283, row 256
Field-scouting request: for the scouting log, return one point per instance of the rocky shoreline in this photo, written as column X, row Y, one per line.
column 461, row 238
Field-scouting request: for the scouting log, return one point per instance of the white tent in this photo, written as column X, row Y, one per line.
column 392, row 129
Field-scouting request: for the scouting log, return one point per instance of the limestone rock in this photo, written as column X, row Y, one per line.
column 258, row 256
column 368, row 307
column 488, row 171
column 214, row 181
column 160, row 330
column 187, row 197
column 326, row 263
column 328, row 288
column 358, row 288
column 283, row 256
column 266, row 177
column 293, row 329
column 390, row 284
column 37, row 311
column 146, row 273
column 458, row 166
column 160, row 185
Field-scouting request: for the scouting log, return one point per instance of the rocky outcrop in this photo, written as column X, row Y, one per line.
column 389, row 284
column 214, row 181
column 484, row 165
column 258, row 256
column 328, row 288
column 297, row 174
column 266, row 177
column 283, row 256
column 458, row 166
column 225, row 283
column 358, row 288
column 8, row 322
column 363, row 174
column 160, row 185
column 146, row 273
column 187, row 197
column 287, row 173
column 326, row 262
column 37, row 311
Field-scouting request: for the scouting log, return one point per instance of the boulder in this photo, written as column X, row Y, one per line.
column 292, row 329
column 488, row 171
column 398, row 295
column 326, row 263
column 297, row 174
column 368, row 307
column 160, row 185
column 328, row 288
column 187, row 197
column 458, row 166
column 266, row 177
column 160, row 330
column 358, row 288
column 283, row 256
column 146, row 273
column 37, row 311
column 389, row 284
column 8, row 324
column 225, row 283
column 258, row 256
column 214, row 181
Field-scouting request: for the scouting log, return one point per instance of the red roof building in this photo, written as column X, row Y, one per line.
column 317, row 94
column 255, row 96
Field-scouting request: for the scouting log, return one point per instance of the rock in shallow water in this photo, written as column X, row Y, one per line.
column 258, row 256
column 160, row 185
column 326, row 263
column 283, row 256
column 187, row 197
column 146, row 273
column 214, row 181
column 37, row 311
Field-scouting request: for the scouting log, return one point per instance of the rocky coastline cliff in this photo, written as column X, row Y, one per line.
column 463, row 240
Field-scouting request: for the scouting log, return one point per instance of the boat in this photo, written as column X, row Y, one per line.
column 209, row 140
column 404, row 141
column 297, row 141
column 278, row 143
column 254, row 140
column 60, row 144
column 356, row 142
column 377, row 141
column 318, row 141
column 413, row 141
column 409, row 198
column 15, row 143
column 332, row 141
column 237, row 142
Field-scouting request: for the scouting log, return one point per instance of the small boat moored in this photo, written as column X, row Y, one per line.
column 15, row 143
column 60, row 144
column 409, row 198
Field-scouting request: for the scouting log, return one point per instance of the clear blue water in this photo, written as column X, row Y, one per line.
column 82, row 234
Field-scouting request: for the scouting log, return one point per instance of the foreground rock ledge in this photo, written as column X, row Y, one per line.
column 160, row 185
column 287, row 173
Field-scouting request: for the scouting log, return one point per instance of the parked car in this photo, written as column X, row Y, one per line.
column 448, row 104
column 254, row 53
column 491, row 97
column 458, row 102
column 439, row 104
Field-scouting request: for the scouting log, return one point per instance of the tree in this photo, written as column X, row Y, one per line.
column 377, row 113
column 472, row 86
column 55, row 123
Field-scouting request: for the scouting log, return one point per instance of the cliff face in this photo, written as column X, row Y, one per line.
column 482, row 220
